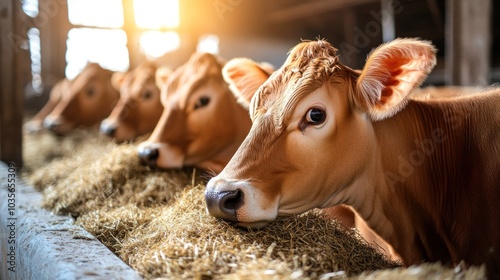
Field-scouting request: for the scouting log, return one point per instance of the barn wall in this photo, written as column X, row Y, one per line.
column 14, row 76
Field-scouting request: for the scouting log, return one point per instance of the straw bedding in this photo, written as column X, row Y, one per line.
column 156, row 221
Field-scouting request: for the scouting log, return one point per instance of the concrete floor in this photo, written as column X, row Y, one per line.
column 36, row 244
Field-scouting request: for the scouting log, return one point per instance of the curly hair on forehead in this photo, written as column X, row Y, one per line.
column 308, row 66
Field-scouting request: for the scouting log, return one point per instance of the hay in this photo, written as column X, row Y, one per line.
column 182, row 241
column 160, row 228
column 85, row 171
column 48, row 158
column 113, row 179
column 112, row 226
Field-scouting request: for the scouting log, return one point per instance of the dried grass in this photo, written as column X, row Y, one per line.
column 49, row 158
column 181, row 241
column 160, row 228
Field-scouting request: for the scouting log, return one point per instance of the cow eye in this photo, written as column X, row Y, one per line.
column 147, row 95
column 202, row 102
column 90, row 92
column 315, row 116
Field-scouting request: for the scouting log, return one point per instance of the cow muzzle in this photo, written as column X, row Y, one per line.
column 57, row 125
column 148, row 155
column 240, row 202
column 108, row 128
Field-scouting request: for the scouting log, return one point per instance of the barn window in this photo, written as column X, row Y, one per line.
column 156, row 43
column 30, row 8
column 36, row 60
column 99, row 32
column 108, row 47
column 156, row 14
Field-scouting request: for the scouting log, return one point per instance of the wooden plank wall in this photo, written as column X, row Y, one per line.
column 14, row 75
column 468, row 42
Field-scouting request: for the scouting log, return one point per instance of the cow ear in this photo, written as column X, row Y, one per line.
column 244, row 77
column 391, row 72
column 162, row 75
column 117, row 80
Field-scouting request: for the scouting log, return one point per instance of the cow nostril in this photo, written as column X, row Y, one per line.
column 149, row 156
column 232, row 200
column 224, row 204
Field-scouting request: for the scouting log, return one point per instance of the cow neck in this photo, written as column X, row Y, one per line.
column 402, row 191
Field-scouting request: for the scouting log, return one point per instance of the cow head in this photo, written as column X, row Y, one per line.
column 56, row 93
column 202, row 124
column 89, row 99
column 139, row 107
column 312, row 141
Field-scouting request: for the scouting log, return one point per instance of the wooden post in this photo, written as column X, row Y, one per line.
column 387, row 20
column 53, row 23
column 468, row 42
column 133, row 34
column 14, row 75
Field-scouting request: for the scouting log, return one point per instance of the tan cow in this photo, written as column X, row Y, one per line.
column 89, row 100
column 57, row 91
column 202, row 125
column 139, row 107
column 423, row 174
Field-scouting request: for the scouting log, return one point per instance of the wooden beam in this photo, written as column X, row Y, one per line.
column 14, row 75
column 468, row 42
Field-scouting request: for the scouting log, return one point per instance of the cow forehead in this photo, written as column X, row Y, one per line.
column 308, row 66
column 90, row 74
column 200, row 68
column 142, row 78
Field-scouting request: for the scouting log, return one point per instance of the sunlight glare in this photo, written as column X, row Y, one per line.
column 208, row 43
column 156, row 14
column 106, row 47
column 155, row 43
column 108, row 14
column 30, row 7
column 36, row 60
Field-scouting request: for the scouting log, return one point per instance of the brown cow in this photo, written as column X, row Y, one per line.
column 88, row 101
column 202, row 125
column 139, row 107
column 36, row 123
column 423, row 174
column 248, row 76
